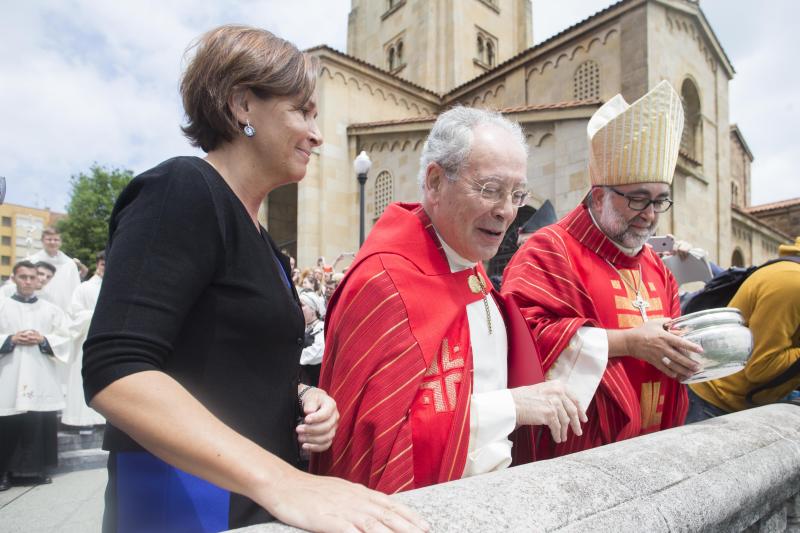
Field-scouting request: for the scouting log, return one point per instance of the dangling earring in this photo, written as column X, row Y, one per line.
column 249, row 130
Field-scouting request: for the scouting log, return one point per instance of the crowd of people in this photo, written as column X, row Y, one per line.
column 45, row 311
column 315, row 287
column 219, row 363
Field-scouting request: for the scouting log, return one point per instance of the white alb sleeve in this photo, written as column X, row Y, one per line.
column 582, row 363
column 492, row 418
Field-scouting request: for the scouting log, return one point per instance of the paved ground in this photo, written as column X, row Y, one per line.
column 73, row 503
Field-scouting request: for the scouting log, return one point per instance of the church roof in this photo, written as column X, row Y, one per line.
column 745, row 214
column 410, row 84
column 409, row 120
column 773, row 205
column 615, row 9
column 572, row 104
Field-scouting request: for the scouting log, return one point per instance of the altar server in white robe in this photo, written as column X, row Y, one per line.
column 62, row 285
column 77, row 413
column 66, row 279
column 46, row 272
column 35, row 340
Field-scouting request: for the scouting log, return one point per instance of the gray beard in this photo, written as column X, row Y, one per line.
column 629, row 239
column 619, row 230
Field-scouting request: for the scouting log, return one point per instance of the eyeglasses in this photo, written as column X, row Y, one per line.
column 640, row 203
column 493, row 192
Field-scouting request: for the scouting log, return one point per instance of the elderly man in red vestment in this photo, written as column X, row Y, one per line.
column 595, row 297
column 430, row 369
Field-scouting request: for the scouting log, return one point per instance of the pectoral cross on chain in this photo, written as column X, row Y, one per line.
column 642, row 305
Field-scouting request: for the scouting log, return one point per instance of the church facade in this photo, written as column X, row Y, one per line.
column 408, row 60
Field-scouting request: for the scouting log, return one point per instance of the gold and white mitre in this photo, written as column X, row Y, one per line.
column 636, row 143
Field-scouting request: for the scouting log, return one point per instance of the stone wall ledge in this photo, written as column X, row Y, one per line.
column 733, row 473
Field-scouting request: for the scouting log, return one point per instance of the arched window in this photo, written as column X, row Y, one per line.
column 399, row 53
column 738, row 258
column 586, row 83
column 690, row 141
column 384, row 192
column 485, row 49
column 391, row 58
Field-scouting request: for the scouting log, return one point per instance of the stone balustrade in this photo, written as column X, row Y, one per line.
column 739, row 472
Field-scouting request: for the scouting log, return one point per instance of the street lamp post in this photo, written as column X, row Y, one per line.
column 361, row 165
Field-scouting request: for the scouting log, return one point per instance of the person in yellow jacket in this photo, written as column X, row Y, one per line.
column 770, row 302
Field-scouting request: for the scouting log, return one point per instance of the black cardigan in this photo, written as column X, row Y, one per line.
column 194, row 290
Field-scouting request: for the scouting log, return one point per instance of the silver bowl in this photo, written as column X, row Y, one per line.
column 705, row 319
column 727, row 343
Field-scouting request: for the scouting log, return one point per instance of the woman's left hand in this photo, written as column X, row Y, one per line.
column 319, row 425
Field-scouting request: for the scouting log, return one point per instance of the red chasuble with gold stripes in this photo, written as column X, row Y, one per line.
column 562, row 281
column 398, row 359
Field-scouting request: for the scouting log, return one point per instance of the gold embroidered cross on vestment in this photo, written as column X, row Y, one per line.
column 638, row 302
column 442, row 379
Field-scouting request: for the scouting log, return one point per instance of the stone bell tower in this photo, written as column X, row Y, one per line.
column 438, row 44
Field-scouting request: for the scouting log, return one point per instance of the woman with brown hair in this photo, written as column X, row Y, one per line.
column 307, row 280
column 193, row 351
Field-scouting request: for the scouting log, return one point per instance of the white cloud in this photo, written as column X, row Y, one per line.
column 91, row 81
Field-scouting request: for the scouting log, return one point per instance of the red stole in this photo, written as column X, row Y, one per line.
column 398, row 360
column 562, row 281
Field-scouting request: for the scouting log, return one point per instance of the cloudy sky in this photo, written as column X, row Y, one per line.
column 85, row 81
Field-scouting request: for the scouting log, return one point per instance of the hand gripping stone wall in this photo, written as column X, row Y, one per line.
column 739, row 472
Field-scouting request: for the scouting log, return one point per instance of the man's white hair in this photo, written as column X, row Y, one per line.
column 450, row 140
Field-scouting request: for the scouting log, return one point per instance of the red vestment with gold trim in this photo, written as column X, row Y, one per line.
column 398, row 359
column 562, row 281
